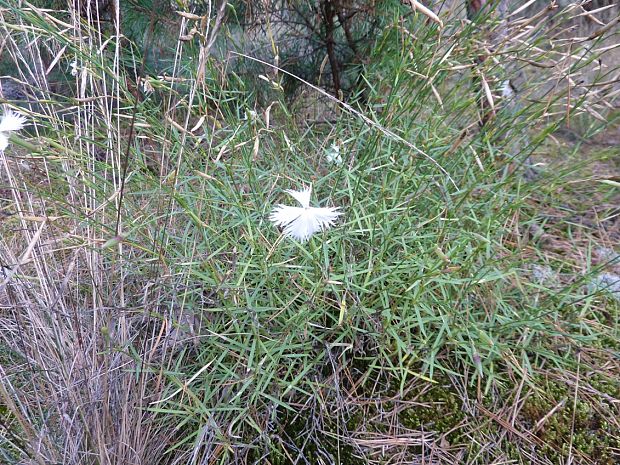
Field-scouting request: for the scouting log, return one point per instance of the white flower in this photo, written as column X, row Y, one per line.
column 333, row 154
column 251, row 115
column 74, row 68
column 302, row 222
column 10, row 122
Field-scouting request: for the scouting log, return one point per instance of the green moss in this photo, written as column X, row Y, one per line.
column 443, row 412
column 589, row 431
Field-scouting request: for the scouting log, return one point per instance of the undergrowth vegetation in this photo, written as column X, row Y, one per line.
column 151, row 313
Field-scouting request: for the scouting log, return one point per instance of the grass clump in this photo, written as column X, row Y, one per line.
column 151, row 313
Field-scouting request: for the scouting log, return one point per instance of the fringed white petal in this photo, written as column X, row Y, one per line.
column 303, row 197
column 302, row 227
column 4, row 142
column 302, row 223
column 325, row 217
column 282, row 215
column 11, row 121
